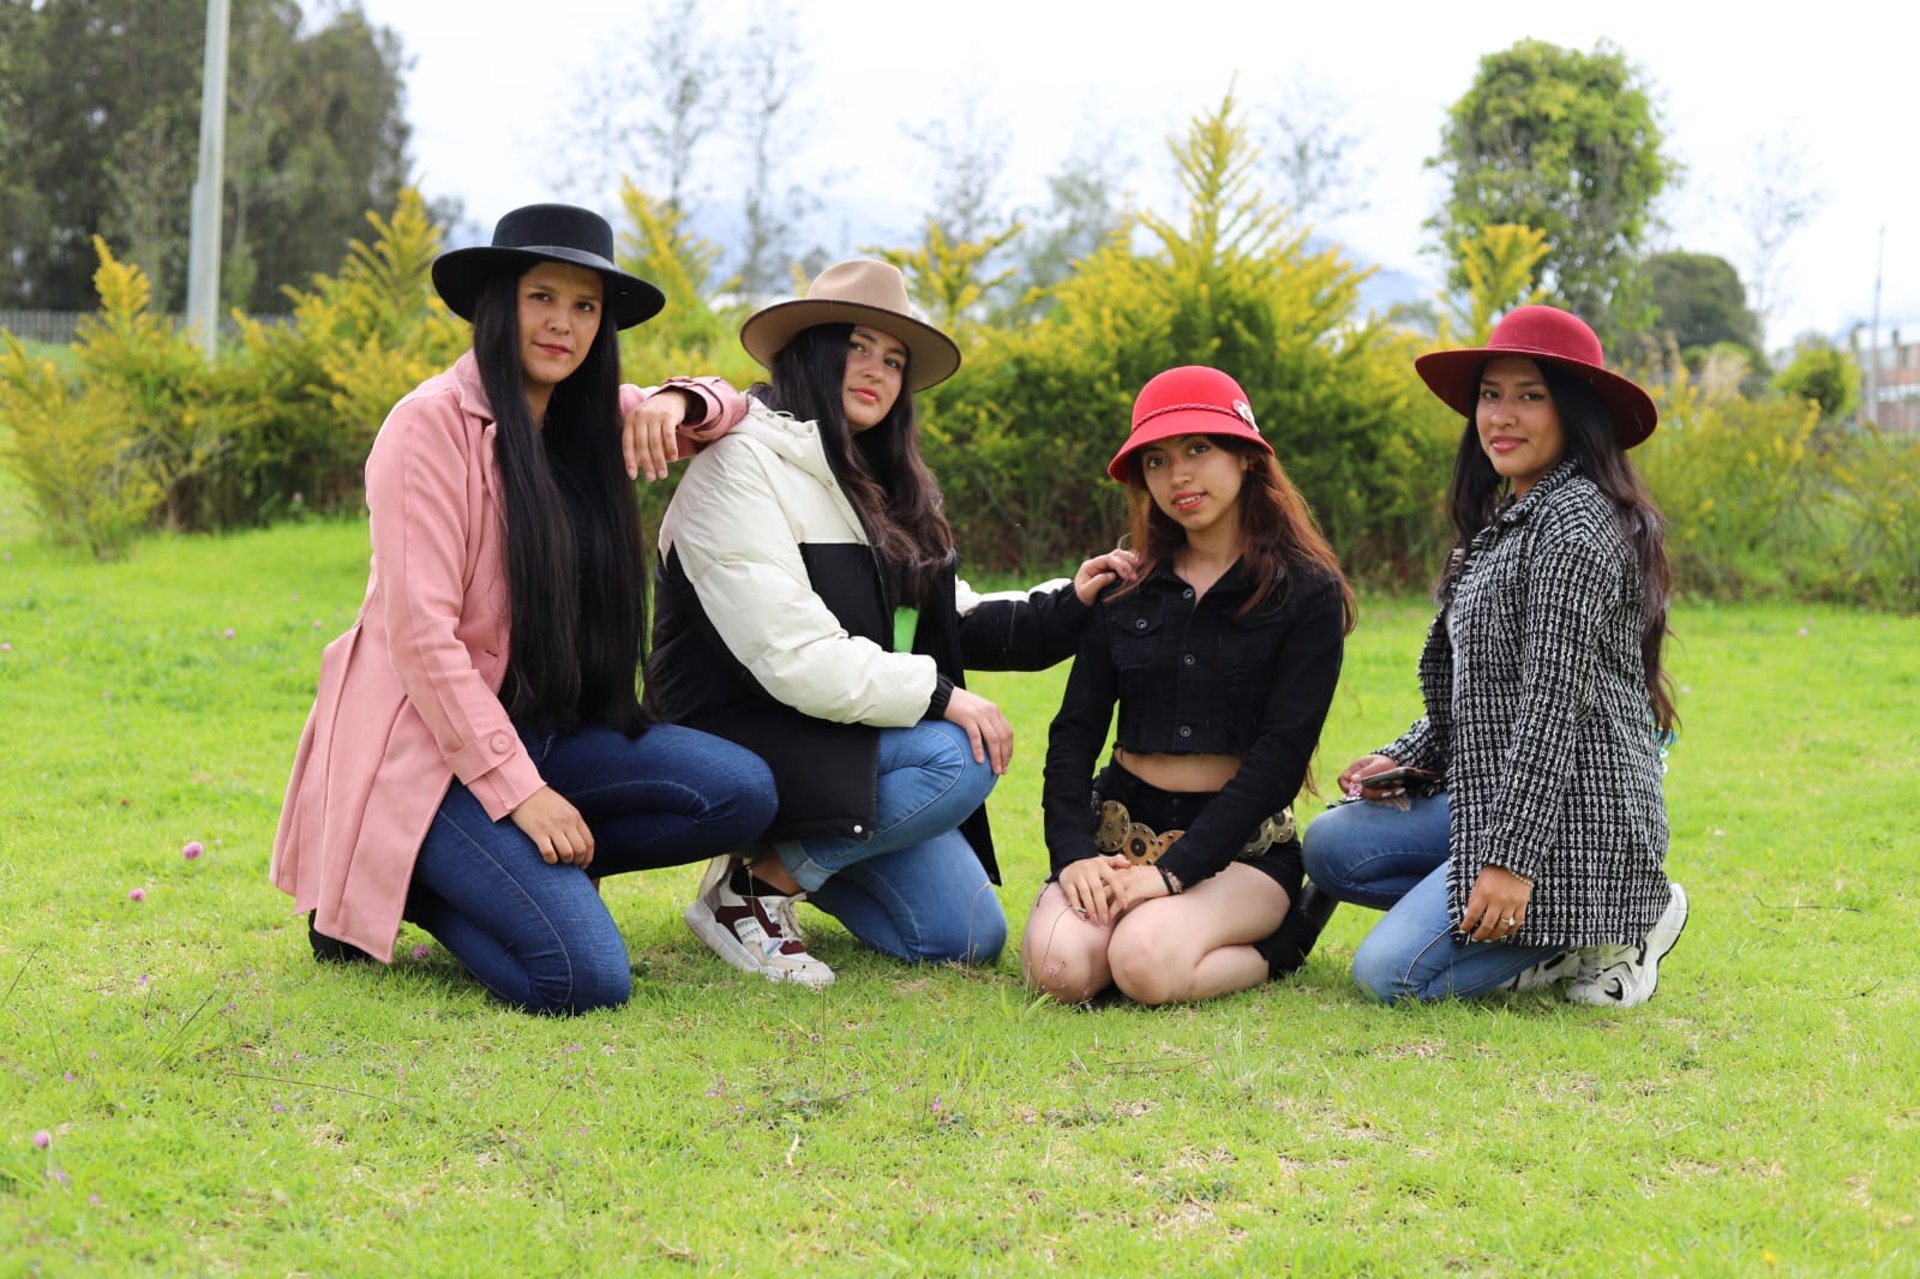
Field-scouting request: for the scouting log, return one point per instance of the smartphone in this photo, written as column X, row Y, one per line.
column 1398, row 777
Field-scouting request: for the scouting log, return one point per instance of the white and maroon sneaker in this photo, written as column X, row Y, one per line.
column 756, row 934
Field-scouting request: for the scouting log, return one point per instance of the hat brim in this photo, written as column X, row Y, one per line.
column 1454, row 376
column 932, row 356
column 1166, row 426
column 459, row 275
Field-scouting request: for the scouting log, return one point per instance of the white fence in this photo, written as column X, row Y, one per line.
column 58, row 327
column 42, row 326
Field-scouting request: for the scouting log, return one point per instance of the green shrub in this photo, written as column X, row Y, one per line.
column 1739, row 487
column 130, row 433
column 1021, row 441
column 1877, row 492
column 178, row 424
column 72, row 449
column 310, row 395
column 1825, row 375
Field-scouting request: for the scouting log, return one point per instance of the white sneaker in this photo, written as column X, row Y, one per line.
column 754, row 934
column 1623, row 976
column 1548, row 972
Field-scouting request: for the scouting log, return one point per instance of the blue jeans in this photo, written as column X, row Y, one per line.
column 915, row 890
column 1373, row 854
column 538, row 936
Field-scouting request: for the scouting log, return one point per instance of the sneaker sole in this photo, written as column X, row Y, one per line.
column 729, row 948
column 1658, row 948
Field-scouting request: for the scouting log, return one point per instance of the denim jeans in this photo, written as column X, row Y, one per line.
column 1372, row 854
column 538, row 936
column 915, row 890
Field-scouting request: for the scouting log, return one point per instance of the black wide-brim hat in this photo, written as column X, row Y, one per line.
column 546, row 233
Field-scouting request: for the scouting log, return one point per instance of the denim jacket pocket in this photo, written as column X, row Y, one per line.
column 1134, row 635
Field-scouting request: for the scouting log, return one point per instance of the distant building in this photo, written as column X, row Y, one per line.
column 1890, row 391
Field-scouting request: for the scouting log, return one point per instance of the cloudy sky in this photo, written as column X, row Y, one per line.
column 500, row 94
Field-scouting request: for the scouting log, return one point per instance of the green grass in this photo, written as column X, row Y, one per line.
column 219, row 1104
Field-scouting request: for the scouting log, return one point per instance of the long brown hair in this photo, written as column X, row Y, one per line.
column 1278, row 534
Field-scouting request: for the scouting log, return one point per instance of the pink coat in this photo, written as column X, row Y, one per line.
column 409, row 696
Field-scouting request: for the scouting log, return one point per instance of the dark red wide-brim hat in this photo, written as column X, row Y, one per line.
column 1546, row 335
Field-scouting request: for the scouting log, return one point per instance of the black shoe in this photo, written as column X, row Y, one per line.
column 1287, row 949
column 331, row 950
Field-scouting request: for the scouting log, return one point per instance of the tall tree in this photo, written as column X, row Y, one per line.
column 768, row 121
column 1084, row 206
column 968, row 158
column 1779, row 201
column 1311, row 154
column 102, row 135
column 654, row 99
column 1568, row 143
column 1500, row 264
column 1702, row 304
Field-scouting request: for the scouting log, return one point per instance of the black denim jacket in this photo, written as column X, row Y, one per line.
column 1191, row 678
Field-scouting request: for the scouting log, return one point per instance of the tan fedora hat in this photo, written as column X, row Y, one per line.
column 862, row 291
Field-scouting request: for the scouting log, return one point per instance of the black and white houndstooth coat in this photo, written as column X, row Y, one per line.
column 1537, row 714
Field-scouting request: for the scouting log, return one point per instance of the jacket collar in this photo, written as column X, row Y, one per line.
column 1233, row 581
column 470, row 390
column 795, row 441
column 471, row 394
column 1516, row 510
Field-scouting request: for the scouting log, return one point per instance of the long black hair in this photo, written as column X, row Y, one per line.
column 575, row 563
column 880, row 468
column 1475, row 492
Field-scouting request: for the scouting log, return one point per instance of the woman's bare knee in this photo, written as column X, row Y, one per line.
column 1062, row 970
column 1147, row 969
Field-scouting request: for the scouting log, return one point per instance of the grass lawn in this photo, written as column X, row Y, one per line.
column 213, row 1102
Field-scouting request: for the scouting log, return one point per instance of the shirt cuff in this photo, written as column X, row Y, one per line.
column 942, row 694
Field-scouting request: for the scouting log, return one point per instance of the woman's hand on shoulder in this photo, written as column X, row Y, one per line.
column 649, row 434
column 556, row 828
column 1102, row 571
column 986, row 728
column 1365, row 766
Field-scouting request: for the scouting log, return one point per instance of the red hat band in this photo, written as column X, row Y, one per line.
column 1190, row 400
column 1545, row 334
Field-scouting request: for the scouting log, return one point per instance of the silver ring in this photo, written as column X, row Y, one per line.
column 1509, row 921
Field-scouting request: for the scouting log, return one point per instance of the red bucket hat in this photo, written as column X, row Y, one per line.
column 1547, row 335
column 1189, row 400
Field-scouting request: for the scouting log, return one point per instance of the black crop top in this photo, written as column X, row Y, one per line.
column 1191, row 678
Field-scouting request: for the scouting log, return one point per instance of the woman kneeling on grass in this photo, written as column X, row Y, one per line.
column 809, row 608
column 477, row 743
column 1175, row 867
column 1534, row 850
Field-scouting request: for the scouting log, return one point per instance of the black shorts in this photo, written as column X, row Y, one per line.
column 1165, row 810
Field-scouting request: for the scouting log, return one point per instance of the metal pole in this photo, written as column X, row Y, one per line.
column 203, row 252
column 1873, row 350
